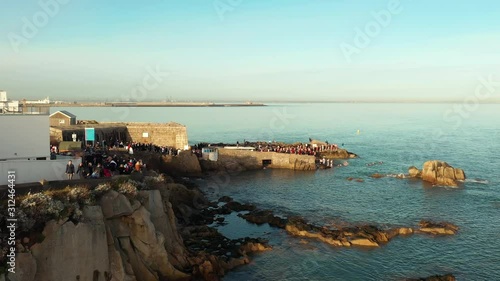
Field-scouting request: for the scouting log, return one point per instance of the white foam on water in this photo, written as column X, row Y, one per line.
column 481, row 181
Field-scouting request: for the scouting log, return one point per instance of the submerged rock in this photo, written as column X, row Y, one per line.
column 437, row 228
column 359, row 235
column 216, row 254
column 377, row 176
column 364, row 235
column 355, row 179
column 446, row 277
column 238, row 207
column 264, row 216
column 225, row 199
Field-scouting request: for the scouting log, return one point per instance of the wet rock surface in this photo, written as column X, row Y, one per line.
column 377, row 176
column 338, row 154
column 355, row 179
column 208, row 239
column 365, row 235
column 264, row 216
column 438, row 173
column 437, row 228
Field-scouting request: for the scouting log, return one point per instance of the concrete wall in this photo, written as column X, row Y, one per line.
column 159, row 134
column 34, row 170
column 254, row 159
column 24, row 136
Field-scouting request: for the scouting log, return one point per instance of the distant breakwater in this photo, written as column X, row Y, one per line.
column 149, row 104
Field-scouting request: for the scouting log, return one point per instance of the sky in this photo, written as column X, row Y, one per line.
column 248, row 50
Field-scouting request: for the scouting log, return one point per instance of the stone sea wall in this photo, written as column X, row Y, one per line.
column 169, row 134
column 238, row 160
column 162, row 134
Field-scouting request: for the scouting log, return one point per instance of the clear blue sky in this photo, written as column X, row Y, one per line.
column 256, row 50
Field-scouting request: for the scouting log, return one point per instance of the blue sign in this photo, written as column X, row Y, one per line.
column 89, row 134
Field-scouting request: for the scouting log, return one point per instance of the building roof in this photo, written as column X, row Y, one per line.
column 64, row 112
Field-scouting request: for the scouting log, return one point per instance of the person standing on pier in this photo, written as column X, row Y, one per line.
column 81, row 171
column 70, row 170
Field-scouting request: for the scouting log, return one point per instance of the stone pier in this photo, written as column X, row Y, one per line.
column 234, row 159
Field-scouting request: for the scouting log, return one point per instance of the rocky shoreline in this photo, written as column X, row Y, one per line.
column 148, row 227
column 143, row 229
column 365, row 235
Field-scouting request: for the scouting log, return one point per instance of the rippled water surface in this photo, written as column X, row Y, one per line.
column 399, row 135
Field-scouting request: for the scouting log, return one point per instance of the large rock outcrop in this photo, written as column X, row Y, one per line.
column 70, row 251
column 340, row 153
column 438, row 173
column 125, row 234
column 160, row 213
column 184, row 164
column 121, row 245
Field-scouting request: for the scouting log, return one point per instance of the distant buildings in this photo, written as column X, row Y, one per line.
column 44, row 101
column 24, row 106
column 7, row 105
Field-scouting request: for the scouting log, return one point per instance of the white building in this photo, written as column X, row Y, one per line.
column 6, row 105
column 44, row 101
column 25, row 149
column 210, row 153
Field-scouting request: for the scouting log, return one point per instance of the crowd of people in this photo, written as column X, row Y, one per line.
column 149, row 147
column 301, row 149
column 96, row 164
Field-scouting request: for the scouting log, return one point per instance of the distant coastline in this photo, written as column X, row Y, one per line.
column 149, row 104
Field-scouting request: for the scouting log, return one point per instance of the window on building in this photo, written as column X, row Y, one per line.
column 62, row 121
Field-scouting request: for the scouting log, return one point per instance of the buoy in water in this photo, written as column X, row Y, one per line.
column 358, row 132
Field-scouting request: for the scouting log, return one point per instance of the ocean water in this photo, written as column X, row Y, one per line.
column 399, row 136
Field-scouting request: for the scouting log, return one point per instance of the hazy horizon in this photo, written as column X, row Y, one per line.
column 277, row 101
column 217, row 50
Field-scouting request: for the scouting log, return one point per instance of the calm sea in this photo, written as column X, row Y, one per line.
column 399, row 136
